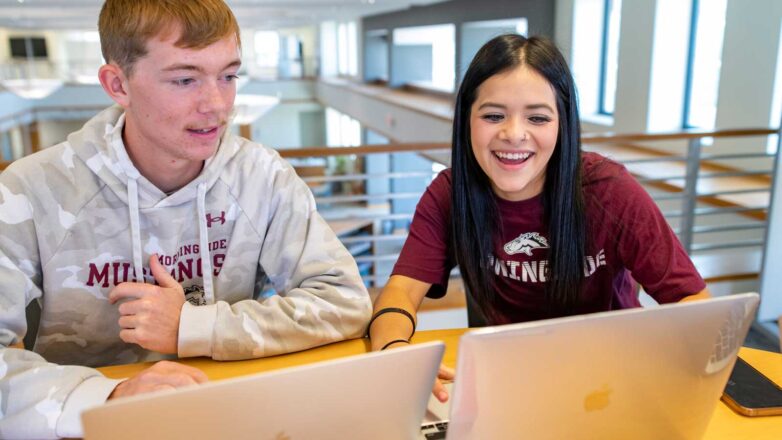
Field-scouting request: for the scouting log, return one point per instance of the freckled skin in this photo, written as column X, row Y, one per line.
column 171, row 92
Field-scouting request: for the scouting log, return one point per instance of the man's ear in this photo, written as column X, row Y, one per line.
column 115, row 83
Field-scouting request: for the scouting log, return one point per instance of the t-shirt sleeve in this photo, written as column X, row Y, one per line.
column 425, row 254
column 646, row 243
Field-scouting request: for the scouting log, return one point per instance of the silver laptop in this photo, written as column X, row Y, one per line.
column 654, row 373
column 379, row 395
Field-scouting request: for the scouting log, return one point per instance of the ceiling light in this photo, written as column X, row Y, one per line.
column 31, row 88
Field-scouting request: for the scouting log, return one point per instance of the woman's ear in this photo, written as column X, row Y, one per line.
column 114, row 82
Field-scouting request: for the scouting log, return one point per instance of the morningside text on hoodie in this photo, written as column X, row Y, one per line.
column 77, row 219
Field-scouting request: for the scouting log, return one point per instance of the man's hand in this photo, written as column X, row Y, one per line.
column 151, row 318
column 444, row 374
column 164, row 375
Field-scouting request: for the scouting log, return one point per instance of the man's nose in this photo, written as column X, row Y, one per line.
column 215, row 98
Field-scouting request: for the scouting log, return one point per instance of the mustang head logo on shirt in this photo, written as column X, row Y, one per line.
column 526, row 243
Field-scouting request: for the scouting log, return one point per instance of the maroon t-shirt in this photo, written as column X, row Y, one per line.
column 626, row 234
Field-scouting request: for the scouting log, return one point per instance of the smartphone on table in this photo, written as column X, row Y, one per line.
column 749, row 392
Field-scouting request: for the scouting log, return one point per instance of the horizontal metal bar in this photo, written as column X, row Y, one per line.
column 667, row 197
column 717, row 211
column 660, row 179
column 734, row 174
column 736, row 227
column 376, row 258
column 364, row 197
column 373, row 238
column 350, row 177
column 653, row 159
column 594, row 138
column 729, row 245
column 736, row 156
column 369, row 216
column 735, row 191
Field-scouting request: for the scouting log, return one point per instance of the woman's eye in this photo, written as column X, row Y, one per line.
column 492, row 117
column 231, row 77
column 539, row 119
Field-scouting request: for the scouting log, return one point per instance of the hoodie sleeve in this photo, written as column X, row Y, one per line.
column 321, row 296
column 38, row 399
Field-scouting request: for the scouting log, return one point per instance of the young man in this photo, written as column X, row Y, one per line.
column 150, row 233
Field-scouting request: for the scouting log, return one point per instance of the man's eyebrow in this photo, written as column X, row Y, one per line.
column 194, row 68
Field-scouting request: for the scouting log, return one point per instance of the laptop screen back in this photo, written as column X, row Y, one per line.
column 379, row 395
column 642, row 373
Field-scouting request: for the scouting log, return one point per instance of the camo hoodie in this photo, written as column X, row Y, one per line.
column 77, row 219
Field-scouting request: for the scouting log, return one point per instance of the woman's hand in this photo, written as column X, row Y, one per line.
column 444, row 375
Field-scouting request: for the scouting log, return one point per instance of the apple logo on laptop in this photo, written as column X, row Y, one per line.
column 598, row 399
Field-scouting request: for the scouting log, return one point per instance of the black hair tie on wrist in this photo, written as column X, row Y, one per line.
column 392, row 310
column 394, row 342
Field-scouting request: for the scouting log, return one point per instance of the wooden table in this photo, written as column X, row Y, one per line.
column 725, row 424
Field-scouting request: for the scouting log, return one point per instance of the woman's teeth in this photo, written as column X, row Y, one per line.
column 512, row 156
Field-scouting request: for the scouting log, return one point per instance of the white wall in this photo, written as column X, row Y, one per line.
column 53, row 132
column 634, row 77
column 749, row 60
column 395, row 122
column 308, row 35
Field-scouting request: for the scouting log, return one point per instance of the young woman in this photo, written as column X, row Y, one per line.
column 538, row 228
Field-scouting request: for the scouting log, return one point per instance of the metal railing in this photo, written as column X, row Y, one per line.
column 703, row 199
column 716, row 199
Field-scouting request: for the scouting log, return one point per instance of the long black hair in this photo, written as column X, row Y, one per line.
column 473, row 203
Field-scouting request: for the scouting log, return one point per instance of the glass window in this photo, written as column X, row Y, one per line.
column 587, row 47
column 342, row 48
column 341, row 129
column 776, row 102
column 328, row 45
column 610, row 56
column 704, row 63
column 347, row 51
column 82, row 56
column 425, row 56
column 476, row 33
column 267, row 54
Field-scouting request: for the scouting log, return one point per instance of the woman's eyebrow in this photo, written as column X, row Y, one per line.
column 491, row 104
column 540, row 106
column 536, row 106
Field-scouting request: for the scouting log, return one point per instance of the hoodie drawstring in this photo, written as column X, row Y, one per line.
column 203, row 239
column 135, row 230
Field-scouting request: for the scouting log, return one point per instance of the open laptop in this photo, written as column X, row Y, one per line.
column 653, row 373
column 379, row 395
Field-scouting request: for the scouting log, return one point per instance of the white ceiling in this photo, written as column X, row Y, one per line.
column 258, row 14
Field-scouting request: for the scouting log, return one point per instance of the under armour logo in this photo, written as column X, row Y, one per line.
column 210, row 219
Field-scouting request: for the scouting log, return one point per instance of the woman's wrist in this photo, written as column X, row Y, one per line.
column 395, row 342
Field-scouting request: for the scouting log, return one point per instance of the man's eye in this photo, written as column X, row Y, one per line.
column 232, row 77
column 183, row 81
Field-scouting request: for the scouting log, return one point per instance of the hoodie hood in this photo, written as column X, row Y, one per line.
column 99, row 144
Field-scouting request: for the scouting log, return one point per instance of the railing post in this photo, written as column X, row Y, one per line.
column 690, row 199
column 770, row 308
